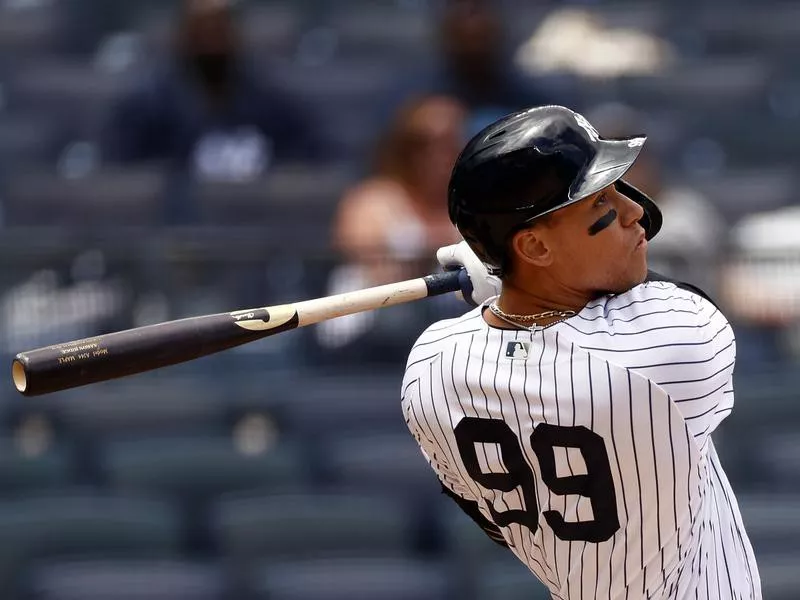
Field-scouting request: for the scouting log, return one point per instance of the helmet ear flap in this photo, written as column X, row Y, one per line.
column 652, row 219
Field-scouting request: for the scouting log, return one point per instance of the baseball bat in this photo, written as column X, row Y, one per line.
column 122, row 353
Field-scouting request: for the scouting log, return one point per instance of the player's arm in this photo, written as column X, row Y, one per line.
column 469, row 506
column 437, row 460
column 473, row 511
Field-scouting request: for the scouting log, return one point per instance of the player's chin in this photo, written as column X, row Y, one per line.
column 638, row 271
column 633, row 276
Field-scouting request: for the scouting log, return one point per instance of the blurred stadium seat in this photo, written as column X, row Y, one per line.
column 196, row 468
column 772, row 521
column 76, row 91
column 390, row 33
column 508, row 580
column 288, row 196
column 766, row 408
column 366, row 578
column 780, row 578
column 739, row 29
column 388, row 462
column 108, row 198
column 324, row 405
column 350, row 99
column 33, row 465
column 485, row 569
column 30, row 28
column 272, row 29
column 341, row 84
column 82, row 523
column 739, row 192
column 737, row 82
column 466, row 542
column 28, row 139
column 269, row 29
column 128, row 580
column 779, row 454
column 169, row 405
column 308, row 525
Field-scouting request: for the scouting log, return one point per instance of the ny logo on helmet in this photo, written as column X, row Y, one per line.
column 581, row 120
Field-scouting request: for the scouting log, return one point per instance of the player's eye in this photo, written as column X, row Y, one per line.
column 601, row 200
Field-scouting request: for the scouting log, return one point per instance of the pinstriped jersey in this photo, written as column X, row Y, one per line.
column 588, row 443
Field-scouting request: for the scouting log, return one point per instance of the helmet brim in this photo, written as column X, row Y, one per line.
column 612, row 161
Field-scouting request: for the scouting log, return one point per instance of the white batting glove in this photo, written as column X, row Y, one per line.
column 484, row 286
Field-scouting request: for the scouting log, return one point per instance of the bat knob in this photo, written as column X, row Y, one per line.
column 19, row 376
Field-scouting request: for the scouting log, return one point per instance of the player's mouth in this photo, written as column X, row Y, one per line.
column 642, row 243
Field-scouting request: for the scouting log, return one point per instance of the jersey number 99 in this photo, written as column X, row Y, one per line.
column 596, row 484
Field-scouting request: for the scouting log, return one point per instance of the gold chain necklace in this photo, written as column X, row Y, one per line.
column 511, row 318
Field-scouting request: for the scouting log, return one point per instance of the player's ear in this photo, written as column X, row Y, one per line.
column 533, row 247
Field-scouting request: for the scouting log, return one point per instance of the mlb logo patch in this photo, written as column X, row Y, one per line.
column 517, row 350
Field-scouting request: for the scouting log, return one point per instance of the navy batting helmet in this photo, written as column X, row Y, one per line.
column 529, row 164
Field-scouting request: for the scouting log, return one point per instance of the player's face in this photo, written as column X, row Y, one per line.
column 598, row 245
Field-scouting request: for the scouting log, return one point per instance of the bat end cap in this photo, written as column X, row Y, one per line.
column 19, row 376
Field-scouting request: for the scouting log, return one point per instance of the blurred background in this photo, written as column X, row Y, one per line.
column 164, row 159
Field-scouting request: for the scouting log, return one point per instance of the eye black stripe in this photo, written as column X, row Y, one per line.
column 603, row 222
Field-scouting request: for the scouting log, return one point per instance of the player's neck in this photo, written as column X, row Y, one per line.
column 519, row 300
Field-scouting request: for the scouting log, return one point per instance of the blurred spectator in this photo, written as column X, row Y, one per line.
column 477, row 68
column 690, row 242
column 400, row 212
column 761, row 287
column 204, row 111
column 389, row 226
column 574, row 40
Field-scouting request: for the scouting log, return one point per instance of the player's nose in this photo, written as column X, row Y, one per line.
column 631, row 211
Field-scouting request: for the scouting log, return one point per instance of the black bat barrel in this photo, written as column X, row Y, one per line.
column 104, row 357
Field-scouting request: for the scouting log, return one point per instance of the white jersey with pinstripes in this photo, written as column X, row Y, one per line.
column 589, row 444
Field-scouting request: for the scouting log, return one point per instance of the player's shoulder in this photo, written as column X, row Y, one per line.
column 661, row 291
column 656, row 303
column 680, row 287
column 446, row 331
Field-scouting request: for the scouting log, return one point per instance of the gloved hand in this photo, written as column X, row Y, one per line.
column 484, row 286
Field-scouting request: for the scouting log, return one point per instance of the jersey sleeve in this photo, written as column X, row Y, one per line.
column 706, row 398
column 696, row 368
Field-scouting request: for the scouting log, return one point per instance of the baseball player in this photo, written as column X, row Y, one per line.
column 570, row 412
